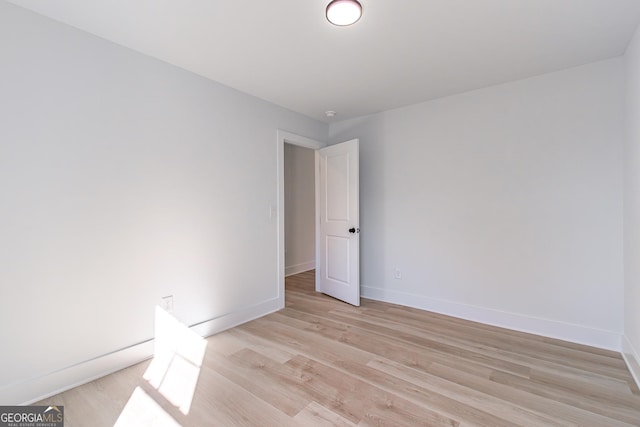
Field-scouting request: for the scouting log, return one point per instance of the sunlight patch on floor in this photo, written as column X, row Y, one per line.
column 141, row 410
column 177, row 360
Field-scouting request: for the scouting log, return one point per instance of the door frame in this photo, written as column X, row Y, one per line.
column 301, row 141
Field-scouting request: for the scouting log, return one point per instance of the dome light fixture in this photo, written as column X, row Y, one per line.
column 344, row 12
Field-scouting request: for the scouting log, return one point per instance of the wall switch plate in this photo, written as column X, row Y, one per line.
column 167, row 303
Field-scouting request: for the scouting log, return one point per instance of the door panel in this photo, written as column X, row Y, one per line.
column 339, row 263
column 337, row 170
column 338, row 259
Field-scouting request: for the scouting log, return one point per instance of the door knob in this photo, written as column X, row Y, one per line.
column 353, row 230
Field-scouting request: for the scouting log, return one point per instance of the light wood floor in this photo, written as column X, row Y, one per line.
column 322, row 362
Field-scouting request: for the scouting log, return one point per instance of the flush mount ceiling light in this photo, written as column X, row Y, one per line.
column 344, row 12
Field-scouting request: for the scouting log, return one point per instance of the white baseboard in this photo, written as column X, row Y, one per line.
column 222, row 323
column 299, row 268
column 36, row 389
column 632, row 357
column 550, row 328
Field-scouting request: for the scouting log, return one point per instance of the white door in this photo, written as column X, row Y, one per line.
column 339, row 254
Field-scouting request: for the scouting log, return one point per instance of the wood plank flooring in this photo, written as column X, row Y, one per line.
column 320, row 362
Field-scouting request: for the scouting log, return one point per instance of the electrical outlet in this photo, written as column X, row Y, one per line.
column 167, row 303
column 397, row 274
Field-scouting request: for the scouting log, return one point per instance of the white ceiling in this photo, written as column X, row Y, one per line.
column 401, row 52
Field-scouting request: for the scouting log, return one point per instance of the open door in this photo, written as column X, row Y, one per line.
column 338, row 274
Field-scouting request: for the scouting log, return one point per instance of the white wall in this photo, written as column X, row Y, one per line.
column 631, row 343
column 502, row 205
column 123, row 179
column 299, row 217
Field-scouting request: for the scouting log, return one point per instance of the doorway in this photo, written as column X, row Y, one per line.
column 336, row 222
column 299, row 209
column 292, row 140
